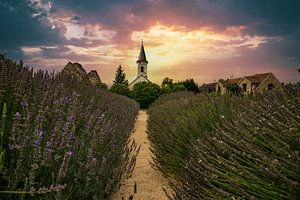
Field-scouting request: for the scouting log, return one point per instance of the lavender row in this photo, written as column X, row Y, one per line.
column 60, row 138
column 228, row 147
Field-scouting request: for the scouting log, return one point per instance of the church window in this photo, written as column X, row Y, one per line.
column 142, row 69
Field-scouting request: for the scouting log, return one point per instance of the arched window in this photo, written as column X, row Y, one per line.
column 270, row 86
column 142, row 69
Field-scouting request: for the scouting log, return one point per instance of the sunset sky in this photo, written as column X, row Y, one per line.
column 201, row 39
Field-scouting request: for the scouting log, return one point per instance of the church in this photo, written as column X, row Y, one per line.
column 142, row 68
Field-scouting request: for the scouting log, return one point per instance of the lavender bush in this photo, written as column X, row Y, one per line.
column 60, row 138
column 221, row 147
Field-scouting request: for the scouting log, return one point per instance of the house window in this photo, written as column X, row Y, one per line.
column 244, row 87
column 270, row 86
column 142, row 69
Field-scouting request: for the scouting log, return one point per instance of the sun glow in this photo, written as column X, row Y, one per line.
column 172, row 45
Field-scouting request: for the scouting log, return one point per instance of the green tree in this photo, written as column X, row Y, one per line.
column 190, row 85
column 178, row 87
column 145, row 93
column 121, row 89
column 120, row 76
column 167, row 85
column 166, row 89
column 167, row 82
column 101, row 86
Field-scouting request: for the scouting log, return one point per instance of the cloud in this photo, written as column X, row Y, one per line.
column 205, row 39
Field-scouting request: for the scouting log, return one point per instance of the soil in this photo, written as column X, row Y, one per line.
column 146, row 183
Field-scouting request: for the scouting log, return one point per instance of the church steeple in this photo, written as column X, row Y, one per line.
column 142, row 56
column 141, row 68
column 142, row 62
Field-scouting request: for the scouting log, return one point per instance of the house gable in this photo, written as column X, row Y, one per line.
column 269, row 83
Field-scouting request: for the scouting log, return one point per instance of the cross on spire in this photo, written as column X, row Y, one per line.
column 142, row 55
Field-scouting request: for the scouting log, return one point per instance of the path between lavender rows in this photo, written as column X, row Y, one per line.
column 149, row 182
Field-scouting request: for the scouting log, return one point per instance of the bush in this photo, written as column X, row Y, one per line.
column 190, row 85
column 178, row 87
column 229, row 147
column 145, row 93
column 120, row 89
column 102, row 86
column 60, row 138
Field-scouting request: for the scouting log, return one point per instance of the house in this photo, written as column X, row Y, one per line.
column 142, row 64
column 77, row 71
column 224, row 86
column 209, row 87
column 259, row 83
column 246, row 85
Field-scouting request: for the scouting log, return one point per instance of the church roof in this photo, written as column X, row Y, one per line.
column 142, row 56
column 138, row 77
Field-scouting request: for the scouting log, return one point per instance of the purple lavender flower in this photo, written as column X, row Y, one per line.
column 65, row 100
column 10, row 147
column 37, row 142
column 70, row 153
column 17, row 115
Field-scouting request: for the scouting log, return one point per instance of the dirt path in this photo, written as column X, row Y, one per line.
column 149, row 182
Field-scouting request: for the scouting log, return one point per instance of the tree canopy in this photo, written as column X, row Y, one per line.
column 145, row 93
column 120, row 76
column 190, row 85
column 121, row 89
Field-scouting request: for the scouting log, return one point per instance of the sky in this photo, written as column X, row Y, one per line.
column 201, row 39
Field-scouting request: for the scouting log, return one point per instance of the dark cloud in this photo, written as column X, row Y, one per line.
column 25, row 24
column 19, row 28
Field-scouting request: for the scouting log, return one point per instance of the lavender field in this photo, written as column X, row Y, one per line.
column 60, row 138
column 228, row 147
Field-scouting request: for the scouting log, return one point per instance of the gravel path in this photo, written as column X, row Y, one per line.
column 149, row 182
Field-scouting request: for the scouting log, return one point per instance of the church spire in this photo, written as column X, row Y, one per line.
column 142, row 56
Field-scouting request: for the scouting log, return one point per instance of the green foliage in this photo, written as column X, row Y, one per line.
column 190, row 85
column 167, row 82
column 234, row 89
column 145, row 93
column 60, row 137
column 120, row 89
column 168, row 86
column 226, row 147
column 120, row 76
column 101, row 86
column 166, row 89
column 178, row 87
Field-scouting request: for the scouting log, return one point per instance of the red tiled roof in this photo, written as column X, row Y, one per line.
column 256, row 78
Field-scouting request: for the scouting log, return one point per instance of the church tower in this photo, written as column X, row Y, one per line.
column 142, row 63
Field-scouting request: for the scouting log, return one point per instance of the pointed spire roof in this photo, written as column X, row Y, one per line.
column 142, row 56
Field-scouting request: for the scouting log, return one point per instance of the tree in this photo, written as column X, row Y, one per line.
column 145, row 93
column 167, row 82
column 190, row 85
column 120, row 76
column 166, row 85
column 101, row 86
column 178, row 87
column 121, row 89
column 166, row 89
